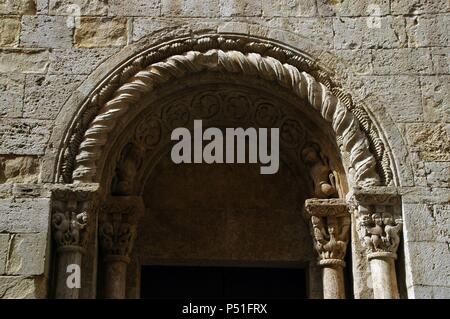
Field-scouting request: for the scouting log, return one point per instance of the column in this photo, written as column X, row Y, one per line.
column 73, row 208
column 117, row 230
column 379, row 228
column 330, row 221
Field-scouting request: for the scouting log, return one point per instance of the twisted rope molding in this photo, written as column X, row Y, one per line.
column 343, row 122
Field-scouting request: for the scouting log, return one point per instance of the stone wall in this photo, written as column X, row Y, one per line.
column 391, row 55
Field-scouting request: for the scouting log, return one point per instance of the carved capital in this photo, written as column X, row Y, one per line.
column 73, row 208
column 379, row 223
column 379, row 233
column 118, row 225
column 330, row 221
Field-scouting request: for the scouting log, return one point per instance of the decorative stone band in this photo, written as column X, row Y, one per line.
column 118, row 226
column 344, row 123
column 331, row 262
column 330, row 221
column 72, row 209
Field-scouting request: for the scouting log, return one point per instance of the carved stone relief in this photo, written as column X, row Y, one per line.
column 230, row 54
column 153, row 130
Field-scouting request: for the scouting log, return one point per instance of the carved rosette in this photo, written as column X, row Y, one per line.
column 72, row 212
column 379, row 222
column 118, row 225
column 330, row 222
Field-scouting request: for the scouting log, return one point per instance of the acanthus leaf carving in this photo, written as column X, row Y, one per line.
column 118, row 224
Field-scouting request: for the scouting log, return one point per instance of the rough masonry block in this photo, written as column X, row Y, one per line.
column 25, row 215
column 27, row 254
column 23, row 137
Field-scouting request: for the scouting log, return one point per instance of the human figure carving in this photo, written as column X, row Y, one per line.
column 319, row 234
column 323, row 178
column 366, row 236
column 129, row 163
column 377, row 231
column 77, row 223
column 392, row 229
column 380, row 232
column 329, row 245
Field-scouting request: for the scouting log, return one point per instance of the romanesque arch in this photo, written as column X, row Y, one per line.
column 117, row 100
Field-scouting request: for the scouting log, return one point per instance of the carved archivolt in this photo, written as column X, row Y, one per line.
column 217, row 53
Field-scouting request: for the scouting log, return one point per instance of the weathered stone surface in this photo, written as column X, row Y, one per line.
column 436, row 98
column 319, row 30
column 357, row 33
column 42, row 6
column 101, row 32
column 358, row 61
column 78, row 61
column 11, row 94
column 44, row 96
column 233, row 27
column 21, row 169
column 46, row 32
column 430, row 263
column 425, row 222
column 402, row 61
column 23, row 137
column 78, row 7
column 147, row 26
column 432, row 141
column 27, row 254
column 246, row 8
column 18, row 7
column 9, row 32
column 419, row 6
column 439, row 173
column 25, row 215
column 345, row 8
column 23, row 287
column 428, row 292
column 400, row 95
column 425, row 195
column 289, row 8
column 24, row 60
column 5, row 190
column 4, row 248
column 189, row 8
column 135, row 8
column 428, row 31
column 441, row 60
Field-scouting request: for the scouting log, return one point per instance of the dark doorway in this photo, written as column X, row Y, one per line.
column 164, row 282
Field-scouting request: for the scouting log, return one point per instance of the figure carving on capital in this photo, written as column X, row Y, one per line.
column 70, row 220
column 330, row 240
column 380, row 232
column 323, row 177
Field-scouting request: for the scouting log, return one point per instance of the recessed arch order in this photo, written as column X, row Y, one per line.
column 368, row 161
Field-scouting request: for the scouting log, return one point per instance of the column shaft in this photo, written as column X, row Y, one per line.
column 64, row 289
column 383, row 278
column 333, row 282
column 115, row 277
